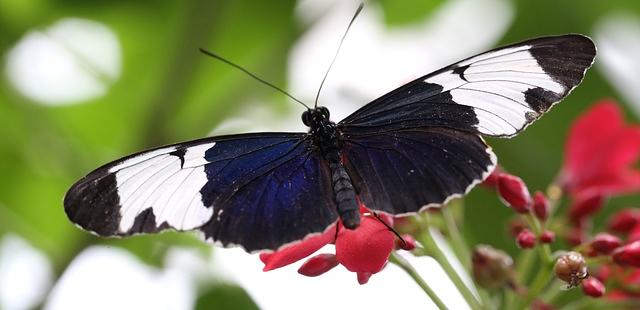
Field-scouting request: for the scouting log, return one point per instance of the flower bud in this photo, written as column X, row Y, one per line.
column 604, row 243
column 575, row 236
column 514, row 193
column 526, row 239
column 318, row 265
column 585, row 207
column 492, row 180
column 541, row 206
column 591, row 286
column 623, row 221
column 492, row 269
column 628, row 255
column 515, row 226
column 547, row 236
column 634, row 234
column 571, row 268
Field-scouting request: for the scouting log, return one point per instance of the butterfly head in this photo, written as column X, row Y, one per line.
column 315, row 116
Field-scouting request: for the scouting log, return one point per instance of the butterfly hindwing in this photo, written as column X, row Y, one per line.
column 403, row 171
column 264, row 182
column 496, row 93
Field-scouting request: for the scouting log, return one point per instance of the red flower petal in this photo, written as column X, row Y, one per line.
column 599, row 153
column 318, row 265
column 297, row 251
column 585, row 206
column 363, row 277
column 365, row 249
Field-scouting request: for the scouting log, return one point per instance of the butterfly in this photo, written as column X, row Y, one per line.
column 416, row 147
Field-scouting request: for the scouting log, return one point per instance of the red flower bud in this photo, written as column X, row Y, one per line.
column 628, row 255
column 318, row 265
column 514, row 193
column 634, row 234
column 547, row 236
column 585, row 207
column 593, row 287
column 624, row 220
column 516, row 225
column 604, row 243
column 526, row 239
column 408, row 244
column 571, row 268
column 541, row 206
column 492, row 180
column 575, row 236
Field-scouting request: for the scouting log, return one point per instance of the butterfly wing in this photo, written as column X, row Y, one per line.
column 402, row 171
column 420, row 145
column 497, row 93
column 259, row 191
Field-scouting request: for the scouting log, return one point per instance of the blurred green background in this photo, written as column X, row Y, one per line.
column 167, row 92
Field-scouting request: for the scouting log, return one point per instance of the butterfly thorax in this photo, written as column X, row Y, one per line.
column 324, row 133
column 326, row 138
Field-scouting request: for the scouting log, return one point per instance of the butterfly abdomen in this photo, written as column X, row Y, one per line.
column 345, row 196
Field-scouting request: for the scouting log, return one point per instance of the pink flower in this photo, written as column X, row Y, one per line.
column 364, row 250
column 600, row 153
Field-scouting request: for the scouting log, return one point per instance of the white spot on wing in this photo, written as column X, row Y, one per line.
column 157, row 180
column 494, row 84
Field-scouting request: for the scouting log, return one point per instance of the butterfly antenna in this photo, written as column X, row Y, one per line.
column 228, row 62
column 404, row 243
column 337, row 51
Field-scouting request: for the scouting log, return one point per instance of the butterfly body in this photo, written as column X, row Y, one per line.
column 326, row 139
column 416, row 147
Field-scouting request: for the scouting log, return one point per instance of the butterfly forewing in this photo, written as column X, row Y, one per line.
column 251, row 190
column 497, row 93
column 420, row 144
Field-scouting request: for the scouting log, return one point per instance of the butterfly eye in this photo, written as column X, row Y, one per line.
column 306, row 118
column 324, row 111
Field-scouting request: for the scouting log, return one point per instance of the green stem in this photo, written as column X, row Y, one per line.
column 432, row 248
column 457, row 241
column 538, row 284
column 543, row 249
column 406, row 266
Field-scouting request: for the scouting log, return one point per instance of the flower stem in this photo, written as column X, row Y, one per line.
column 406, row 266
column 434, row 251
column 544, row 249
column 539, row 283
column 457, row 241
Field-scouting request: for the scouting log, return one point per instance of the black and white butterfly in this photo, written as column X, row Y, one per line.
column 413, row 148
